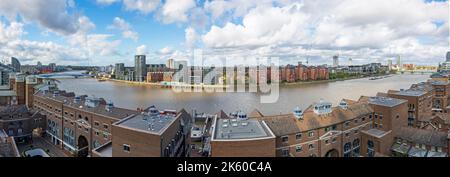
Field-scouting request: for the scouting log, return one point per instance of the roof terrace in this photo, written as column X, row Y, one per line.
column 386, row 101
column 234, row 129
column 153, row 121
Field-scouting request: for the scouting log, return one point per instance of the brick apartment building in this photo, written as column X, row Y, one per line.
column 150, row 134
column 19, row 122
column 78, row 124
column 238, row 136
column 419, row 102
column 319, row 131
column 291, row 73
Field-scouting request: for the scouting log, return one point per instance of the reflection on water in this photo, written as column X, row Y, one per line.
column 134, row 96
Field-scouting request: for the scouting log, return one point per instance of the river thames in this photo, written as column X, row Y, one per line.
column 134, row 96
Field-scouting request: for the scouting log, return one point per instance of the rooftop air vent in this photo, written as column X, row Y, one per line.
column 56, row 93
column 241, row 116
column 152, row 111
column 343, row 104
column 109, row 106
column 77, row 99
column 298, row 113
column 322, row 107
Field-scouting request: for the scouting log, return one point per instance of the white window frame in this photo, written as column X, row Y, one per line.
column 126, row 145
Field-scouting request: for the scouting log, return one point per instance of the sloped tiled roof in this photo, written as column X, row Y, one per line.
column 427, row 137
column 288, row 124
column 256, row 114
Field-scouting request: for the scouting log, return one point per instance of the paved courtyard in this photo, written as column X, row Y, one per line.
column 40, row 142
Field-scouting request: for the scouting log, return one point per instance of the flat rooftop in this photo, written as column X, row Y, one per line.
column 105, row 150
column 149, row 123
column 4, row 87
column 385, row 101
column 7, row 93
column 232, row 129
column 376, row 132
column 438, row 83
column 410, row 93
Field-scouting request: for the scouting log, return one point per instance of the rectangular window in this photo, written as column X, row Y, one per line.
column 298, row 136
column 126, row 148
column 311, row 146
column 105, row 135
column 311, row 134
column 285, row 152
column 298, row 148
column 347, row 124
column 284, row 139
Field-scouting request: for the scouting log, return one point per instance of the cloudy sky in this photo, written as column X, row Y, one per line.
column 103, row 32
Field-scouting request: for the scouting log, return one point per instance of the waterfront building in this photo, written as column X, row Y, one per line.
column 441, row 92
column 399, row 63
column 389, row 63
column 238, row 136
column 335, row 61
column 159, row 76
column 419, row 102
column 156, row 67
column 180, row 64
column 4, row 73
column 52, row 67
column 152, row 133
column 29, row 69
column 388, row 116
column 445, row 66
column 15, row 64
column 320, row 130
column 140, row 68
column 170, row 64
column 366, row 127
column 130, row 75
column 78, row 124
column 119, row 71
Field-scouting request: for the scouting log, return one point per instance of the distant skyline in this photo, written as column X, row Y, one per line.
column 103, row 32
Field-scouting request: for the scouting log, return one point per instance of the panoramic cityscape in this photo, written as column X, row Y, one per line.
column 138, row 78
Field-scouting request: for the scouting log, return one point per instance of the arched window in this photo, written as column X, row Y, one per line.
column 347, row 147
